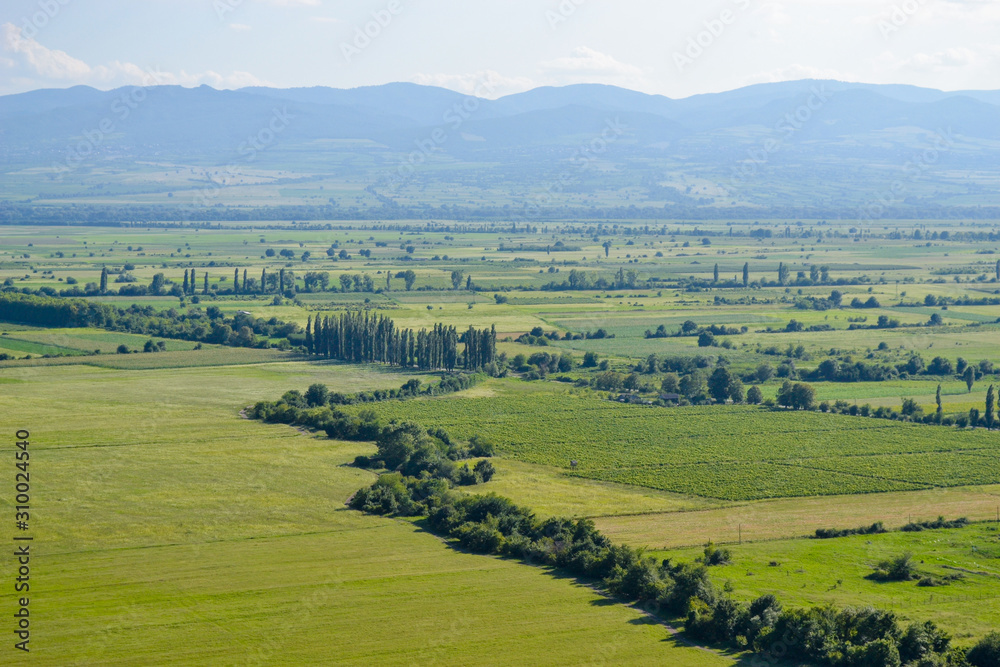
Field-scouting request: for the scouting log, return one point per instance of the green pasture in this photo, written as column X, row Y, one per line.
column 802, row 573
column 158, row 514
column 729, row 453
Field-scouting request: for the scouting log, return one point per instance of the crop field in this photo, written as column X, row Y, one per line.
column 736, row 453
column 767, row 520
column 163, row 515
column 803, row 574
column 181, row 518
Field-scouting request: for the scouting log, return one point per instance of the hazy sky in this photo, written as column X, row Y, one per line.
column 497, row 47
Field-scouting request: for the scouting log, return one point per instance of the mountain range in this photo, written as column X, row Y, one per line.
column 763, row 139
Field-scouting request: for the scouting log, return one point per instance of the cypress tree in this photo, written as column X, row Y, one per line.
column 205, row 289
column 236, row 281
column 309, row 335
column 937, row 399
column 244, row 281
column 104, row 280
column 715, row 274
column 186, row 283
column 281, row 281
column 263, row 281
column 746, row 274
column 991, row 403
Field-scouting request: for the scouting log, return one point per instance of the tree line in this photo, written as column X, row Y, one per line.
column 209, row 326
column 360, row 336
column 418, row 485
column 426, row 465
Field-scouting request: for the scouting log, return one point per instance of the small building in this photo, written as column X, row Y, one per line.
column 670, row 398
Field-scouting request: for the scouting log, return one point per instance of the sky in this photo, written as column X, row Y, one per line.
column 493, row 48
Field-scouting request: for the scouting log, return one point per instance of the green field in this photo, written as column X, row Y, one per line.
column 167, row 525
column 801, row 573
column 731, row 453
column 160, row 514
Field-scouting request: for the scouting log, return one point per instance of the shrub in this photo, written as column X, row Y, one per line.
column 900, row 568
column 986, row 653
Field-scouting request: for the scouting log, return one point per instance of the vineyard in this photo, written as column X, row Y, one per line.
column 730, row 453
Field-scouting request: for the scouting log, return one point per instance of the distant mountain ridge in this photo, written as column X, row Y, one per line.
column 774, row 142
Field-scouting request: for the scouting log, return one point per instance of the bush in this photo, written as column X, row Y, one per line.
column 986, row 653
column 484, row 470
column 900, row 568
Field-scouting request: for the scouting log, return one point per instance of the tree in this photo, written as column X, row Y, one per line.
column 123, row 349
column 104, row 280
column 986, row 653
column 991, row 404
column 706, row 339
column 974, row 417
column 736, row 391
column 715, row 274
column 911, row 408
column 236, row 281
column 970, row 377
column 317, row 395
column 692, row 385
column 746, row 274
column 590, row 360
column 799, row 396
column 409, row 277
column 940, row 366
column 456, row 279
column 718, row 383
column 263, row 281
column 836, row 298
column 607, row 253
column 484, row 470
column 783, row 272
column 922, row 640
column 205, row 288
column 754, row 396
column 187, row 284
column 764, row 372
column 937, row 399
column 670, row 384
column 156, row 287
column 565, row 362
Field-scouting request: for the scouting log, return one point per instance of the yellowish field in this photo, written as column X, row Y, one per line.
column 798, row 517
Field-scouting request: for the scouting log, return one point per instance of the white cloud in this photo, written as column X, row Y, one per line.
column 795, row 73
column 935, row 62
column 45, row 62
column 239, row 27
column 487, row 83
column 586, row 65
column 37, row 66
column 587, row 61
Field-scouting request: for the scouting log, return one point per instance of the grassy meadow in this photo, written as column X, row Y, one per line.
column 169, row 530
